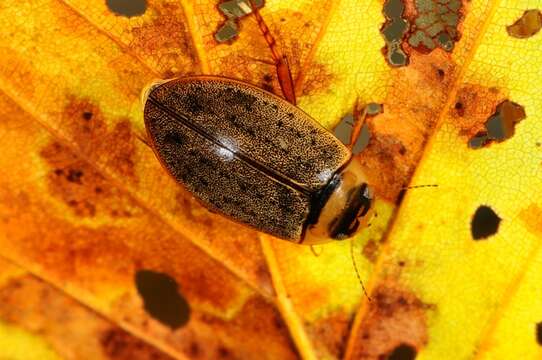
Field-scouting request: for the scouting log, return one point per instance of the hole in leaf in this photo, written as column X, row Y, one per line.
column 162, row 298
column 393, row 31
column 501, row 125
column 484, row 223
column 527, row 25
column 402, row 352
column 343, row 129
column 479, row 140
column 127, row 8
column 539, row 333
column 234, row 10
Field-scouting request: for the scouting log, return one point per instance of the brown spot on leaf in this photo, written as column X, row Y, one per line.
column 332, row 332
column 267, row 83
column 396, row 317
column 194, row 350
column 527, row 25
column 117, row 344
column 370, row 250
column 80, row 187
column 256, row 320
column 177, row 55
column 72, row 330
column 96, row 140
column 484, row 115
column 475, row 104
column 318, row 81
column 399, row 134
column 532, row 218
column 224, row 353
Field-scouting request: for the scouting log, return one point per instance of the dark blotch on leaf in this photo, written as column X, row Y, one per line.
column 87, row 115
column 402, row 352
column 539, row 333
column 162, row 298
column 74, row 176
column 527, row 25
column 127, row 8
column 484, row 223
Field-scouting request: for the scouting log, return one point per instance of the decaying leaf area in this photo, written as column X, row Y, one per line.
column 103, row 256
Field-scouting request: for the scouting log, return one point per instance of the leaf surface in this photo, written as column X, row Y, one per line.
column 86, row 207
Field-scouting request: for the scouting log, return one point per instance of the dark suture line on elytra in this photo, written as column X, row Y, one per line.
column 269, row 172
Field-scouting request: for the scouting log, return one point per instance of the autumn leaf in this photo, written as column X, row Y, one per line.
column 95, row 237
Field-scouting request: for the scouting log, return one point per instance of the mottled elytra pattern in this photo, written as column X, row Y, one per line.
column 244, row 152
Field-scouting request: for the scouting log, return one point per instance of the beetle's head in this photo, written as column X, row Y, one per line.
column 347, row 209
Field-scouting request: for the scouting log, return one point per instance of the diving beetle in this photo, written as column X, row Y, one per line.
column 255, row 157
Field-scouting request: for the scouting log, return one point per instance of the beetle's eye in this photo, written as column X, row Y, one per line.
column 353, row 227
column 366, row 201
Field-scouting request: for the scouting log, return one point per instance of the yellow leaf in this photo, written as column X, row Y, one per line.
column 85, row 205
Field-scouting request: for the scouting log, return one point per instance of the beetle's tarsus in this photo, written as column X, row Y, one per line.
column 280, row 61
column 360, row 115
column 143, row 139
column 314, row 251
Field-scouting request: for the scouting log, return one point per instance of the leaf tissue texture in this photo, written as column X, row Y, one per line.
column 93, row 231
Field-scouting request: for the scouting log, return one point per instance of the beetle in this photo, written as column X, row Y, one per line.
column 255, row 157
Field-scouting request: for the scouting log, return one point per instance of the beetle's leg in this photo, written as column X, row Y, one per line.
column 143, row 138
column 281, row 63
column 360, row 115
column 313, row 250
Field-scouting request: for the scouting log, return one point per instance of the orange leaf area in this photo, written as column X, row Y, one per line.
column 103, row 255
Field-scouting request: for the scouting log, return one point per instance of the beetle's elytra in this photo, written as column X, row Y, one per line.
column 256, row 158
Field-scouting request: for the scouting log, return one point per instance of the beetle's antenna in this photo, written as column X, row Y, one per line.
column 360, row 115
column 356, row 268
column 419, row 186
column 283, row 70
column 313, row 249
